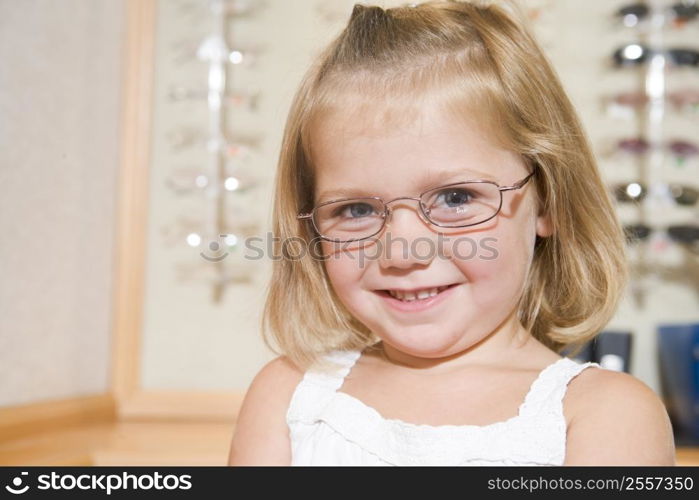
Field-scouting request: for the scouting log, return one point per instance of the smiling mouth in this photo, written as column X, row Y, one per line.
column 415, row 295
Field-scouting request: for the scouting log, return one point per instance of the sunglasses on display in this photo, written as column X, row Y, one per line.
column 640, row 146
column 684, row 234
column 249, row 100
column 189, row 50
column 196, row 11
column 190, row 180
column 241, row 147
column 636, row 191
column 679, row 13
column 636, row 54
column 681, row 100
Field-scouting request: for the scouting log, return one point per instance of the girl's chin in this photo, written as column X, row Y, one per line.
column 421, row 345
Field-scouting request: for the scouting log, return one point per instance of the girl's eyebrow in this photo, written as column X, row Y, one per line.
column 432, row 178
column 341, row 193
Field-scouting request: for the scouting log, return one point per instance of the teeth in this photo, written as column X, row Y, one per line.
column 419, row 295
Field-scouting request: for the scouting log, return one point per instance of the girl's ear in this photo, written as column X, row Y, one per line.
column 544, row 227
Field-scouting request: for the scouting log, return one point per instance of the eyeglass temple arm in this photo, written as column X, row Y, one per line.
column 517, row 185
column 304, row 216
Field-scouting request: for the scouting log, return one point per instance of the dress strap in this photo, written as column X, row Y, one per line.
column 318, row 386
column 332, row 378
column 547, row 392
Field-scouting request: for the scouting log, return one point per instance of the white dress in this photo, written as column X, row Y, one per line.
column 330, row 427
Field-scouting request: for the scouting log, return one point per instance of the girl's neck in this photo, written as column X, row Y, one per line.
column 503, row 344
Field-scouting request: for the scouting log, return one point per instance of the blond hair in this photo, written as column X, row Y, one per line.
column 482, row 61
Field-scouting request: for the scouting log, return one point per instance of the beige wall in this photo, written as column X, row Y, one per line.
column 59, row 136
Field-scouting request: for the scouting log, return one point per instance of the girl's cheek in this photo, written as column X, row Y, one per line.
column 348, row 257
column 493, row 255
column 342, row 267
column 474, row 255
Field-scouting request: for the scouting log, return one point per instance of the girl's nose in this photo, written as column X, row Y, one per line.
column 408, row 240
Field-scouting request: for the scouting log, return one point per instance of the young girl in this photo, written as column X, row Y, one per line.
column 457, row 236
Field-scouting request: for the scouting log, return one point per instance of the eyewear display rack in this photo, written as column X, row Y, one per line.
column 650, row 258
column 219, row 220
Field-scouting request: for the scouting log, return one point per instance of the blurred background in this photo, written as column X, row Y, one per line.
column 138, row 144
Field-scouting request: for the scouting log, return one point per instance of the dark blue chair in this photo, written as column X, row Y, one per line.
column 611, row 349
column 678, row 350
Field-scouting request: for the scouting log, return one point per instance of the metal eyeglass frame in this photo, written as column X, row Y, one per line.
column 423, row 212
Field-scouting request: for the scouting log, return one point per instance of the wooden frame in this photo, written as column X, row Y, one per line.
column 132, row 196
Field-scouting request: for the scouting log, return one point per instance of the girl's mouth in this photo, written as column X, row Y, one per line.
column 416, row 300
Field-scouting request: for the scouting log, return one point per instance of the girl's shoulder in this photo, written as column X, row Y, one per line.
column 604, row 386
column 616, row 419
column 260, row 436
column 277, row 378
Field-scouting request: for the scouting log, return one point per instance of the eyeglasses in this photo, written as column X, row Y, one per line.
column 247, row 99
column 682, row 100
column 460, row 204
column 636, row 191
column 684, row 234
column 639, row 146
column 680, row 12
column 634, row 54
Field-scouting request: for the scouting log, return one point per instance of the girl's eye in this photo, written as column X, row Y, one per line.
column 453, row 197
column 354, row 210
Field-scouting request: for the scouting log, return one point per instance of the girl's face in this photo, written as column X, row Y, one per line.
column 484, row 265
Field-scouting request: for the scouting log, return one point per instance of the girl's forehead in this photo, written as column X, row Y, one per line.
column 430, row 136
column 421, row 123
